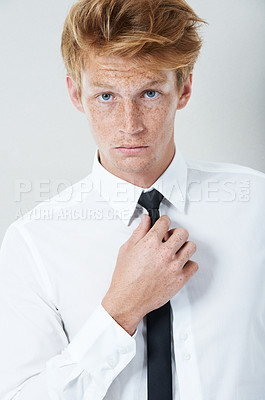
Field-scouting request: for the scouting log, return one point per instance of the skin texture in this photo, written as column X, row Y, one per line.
column 129, row 111
column 149, row 272
column 125, row 108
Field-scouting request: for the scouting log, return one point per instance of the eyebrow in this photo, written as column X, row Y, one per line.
column 107, row 85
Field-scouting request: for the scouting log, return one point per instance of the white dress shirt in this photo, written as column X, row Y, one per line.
column 57, row 341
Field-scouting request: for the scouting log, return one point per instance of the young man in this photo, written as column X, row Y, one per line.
column 90, row 291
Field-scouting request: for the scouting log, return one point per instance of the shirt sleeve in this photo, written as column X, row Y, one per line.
column 37, row 361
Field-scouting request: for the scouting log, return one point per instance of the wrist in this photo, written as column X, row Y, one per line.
column 126, row 320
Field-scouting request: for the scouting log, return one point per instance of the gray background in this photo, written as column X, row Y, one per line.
column 46, row 144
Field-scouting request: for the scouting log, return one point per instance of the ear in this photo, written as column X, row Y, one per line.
column 186, row 93
column 72, row 90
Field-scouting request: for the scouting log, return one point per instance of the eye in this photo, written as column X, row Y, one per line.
column 151, row 94
column 105, row 97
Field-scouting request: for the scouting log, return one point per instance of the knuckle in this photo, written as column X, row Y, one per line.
column 186, row 254
column 192, row 247
column 165, row 220
column 193, row 268
column 183, row 234
column 186, row 251
column 195, row 265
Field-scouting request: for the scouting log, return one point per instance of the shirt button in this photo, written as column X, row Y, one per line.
column 187, row 356
column 183, row 336
column 112, row 363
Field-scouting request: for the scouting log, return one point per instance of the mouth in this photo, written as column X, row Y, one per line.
column 128, row 149
column 125, row 146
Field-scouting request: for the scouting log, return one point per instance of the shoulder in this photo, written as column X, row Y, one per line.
column 68, row 200
column 230, row 181
column 210, row 171
column 226, row 169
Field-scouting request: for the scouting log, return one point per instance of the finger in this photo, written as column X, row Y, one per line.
column 189, row 269
column 185, row 252
column 176, row 240
column 182, row 277
column 141, row 230
column 161, row 227
column 168, row 234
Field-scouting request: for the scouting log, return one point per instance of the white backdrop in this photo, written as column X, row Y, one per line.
column 46, row 144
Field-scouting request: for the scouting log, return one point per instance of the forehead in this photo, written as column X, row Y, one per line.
column 102, row 70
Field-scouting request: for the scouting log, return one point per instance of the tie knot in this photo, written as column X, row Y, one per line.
column 150, row 200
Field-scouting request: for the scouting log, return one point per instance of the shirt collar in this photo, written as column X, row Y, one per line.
column 123, row 196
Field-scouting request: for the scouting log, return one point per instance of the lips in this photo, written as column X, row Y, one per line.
column 130, row 150
column 129, row 147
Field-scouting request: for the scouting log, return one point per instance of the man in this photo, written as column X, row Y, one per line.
column 80, row 279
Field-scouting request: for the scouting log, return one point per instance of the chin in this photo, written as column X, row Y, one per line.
column 134, row 166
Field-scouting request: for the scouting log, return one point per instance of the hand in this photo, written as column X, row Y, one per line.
column 149, row 272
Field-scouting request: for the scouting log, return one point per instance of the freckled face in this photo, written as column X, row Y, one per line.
column 131, row 116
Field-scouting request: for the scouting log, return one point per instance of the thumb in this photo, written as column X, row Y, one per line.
column 141, row 229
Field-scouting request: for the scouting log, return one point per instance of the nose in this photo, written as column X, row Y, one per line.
column 130, row 117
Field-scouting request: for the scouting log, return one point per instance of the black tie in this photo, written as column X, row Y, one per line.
column 159, row 373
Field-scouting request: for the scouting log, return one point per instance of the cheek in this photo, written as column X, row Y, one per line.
column 98, row 119
column 160, row 118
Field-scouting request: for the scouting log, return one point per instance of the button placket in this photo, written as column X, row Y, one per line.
column 183, row 336
column 186, row 356
column 112, row 363
column 184, row 350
